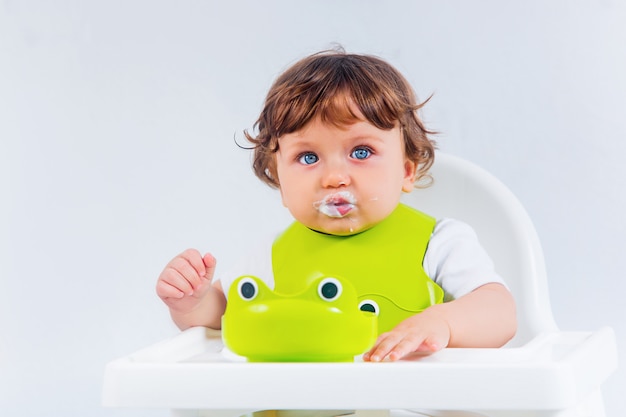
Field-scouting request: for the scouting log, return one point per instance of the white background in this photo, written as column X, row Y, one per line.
column 117, row 129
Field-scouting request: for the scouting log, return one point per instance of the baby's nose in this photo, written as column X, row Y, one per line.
column 335, row 178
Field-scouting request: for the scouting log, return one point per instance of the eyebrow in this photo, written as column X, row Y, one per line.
column 367, row 137
column 300, row 140
column 296, row 141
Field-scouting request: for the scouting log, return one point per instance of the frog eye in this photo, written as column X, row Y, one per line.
column 329, row 289
column 248, row 289
column 369, row 305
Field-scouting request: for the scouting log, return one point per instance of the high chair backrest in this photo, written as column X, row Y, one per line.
column 463, row 191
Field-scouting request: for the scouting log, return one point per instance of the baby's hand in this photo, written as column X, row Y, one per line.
column 425, row 332
column 185, row 280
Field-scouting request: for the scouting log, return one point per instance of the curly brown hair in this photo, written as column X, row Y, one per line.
column 326, row 85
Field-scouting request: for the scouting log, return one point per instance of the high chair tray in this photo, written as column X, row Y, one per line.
column 193, row 370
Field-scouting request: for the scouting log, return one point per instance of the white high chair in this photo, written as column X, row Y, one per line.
column 541, row 372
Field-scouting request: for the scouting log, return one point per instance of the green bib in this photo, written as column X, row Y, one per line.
column 384, row 264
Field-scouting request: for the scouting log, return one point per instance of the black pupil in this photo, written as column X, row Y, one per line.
column 329, row 290
column 247, row 290
column 368, row 307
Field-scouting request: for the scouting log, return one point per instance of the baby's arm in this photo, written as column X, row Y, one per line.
column 186, row 286
column 484, row 317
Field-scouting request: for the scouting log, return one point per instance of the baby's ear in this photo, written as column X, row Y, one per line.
column 410, row 172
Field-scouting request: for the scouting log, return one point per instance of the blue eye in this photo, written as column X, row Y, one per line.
column 361, row 153
column 308, row 158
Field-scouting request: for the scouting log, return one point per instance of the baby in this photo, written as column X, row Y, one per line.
column 340, row 138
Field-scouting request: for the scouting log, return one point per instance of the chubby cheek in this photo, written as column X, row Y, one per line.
column 382, row 200
column 295, row 198
column 282, row 196
column 285, row 183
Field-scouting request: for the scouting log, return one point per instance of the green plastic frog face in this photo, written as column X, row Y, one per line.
column 321, row 324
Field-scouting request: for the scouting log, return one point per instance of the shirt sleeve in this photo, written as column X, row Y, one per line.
column 456, row 260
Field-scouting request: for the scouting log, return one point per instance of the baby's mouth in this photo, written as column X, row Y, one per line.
column 336, row 205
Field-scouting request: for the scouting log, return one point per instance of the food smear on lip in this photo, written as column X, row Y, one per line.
column 336, row 205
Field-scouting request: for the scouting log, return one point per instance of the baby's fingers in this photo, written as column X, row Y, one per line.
column 385, row 343
column 396, row 345
column 183, row 275
column 183, row 281
column 209, row 263
column 194, row 259
column 166, row 290
column 413, row 343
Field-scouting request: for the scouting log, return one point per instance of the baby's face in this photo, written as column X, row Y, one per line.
column 342, row 180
